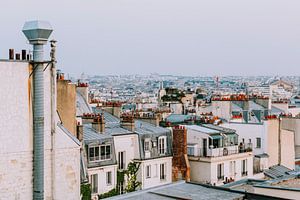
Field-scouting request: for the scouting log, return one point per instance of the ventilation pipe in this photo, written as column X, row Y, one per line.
column 38, row 32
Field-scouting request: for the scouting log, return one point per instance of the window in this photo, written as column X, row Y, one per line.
column 121, row 159
column 162, row 171
column 220, row 171
column 155, row 171
column 121, row 187
column 190, row 150
column 147, row 145
column 148, row 171
column 162, row 145
column 94, row 183
column 232, row 168
column 94, row 153
column 244, row 167
column 258, row 143
column 105, row 152
column 108, row 178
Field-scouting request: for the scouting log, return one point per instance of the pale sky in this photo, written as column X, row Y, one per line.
column 188, row 37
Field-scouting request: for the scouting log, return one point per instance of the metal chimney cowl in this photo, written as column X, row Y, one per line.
column 38, row 32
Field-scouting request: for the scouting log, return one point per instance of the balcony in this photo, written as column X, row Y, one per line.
column 193, row 151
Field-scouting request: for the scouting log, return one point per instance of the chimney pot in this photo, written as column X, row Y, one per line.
column 17, row 56
column 11, row 54
column 23, row 54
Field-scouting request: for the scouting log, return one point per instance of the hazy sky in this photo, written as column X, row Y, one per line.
column 189, row 37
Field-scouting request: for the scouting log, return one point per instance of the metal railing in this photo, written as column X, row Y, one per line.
column 217, row 152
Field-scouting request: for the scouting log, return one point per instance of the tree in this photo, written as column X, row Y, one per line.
column 131, row 173
column 85, row 190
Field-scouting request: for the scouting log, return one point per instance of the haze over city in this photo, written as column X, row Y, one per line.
column 177, row 37
column 149, row 100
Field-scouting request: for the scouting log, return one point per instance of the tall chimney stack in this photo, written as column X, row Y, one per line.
column 127, row 122
column 38, row 32
column 99, row 123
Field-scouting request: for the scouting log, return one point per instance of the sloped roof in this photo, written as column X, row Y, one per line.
column 81, row 105
column 277, row 171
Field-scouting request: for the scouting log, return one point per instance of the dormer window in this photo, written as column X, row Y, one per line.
column 99, row 153
column 147, row 144
column 162, row 145
column 94, row 154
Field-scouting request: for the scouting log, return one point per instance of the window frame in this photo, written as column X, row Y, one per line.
column 147, row 143
column 162, row 171
column 122, row 165
column 258, row 146
column 100, row 157
column 220, row 171
column 109, row 178
column 162, row 145
column 94, row 183
column 148, row 171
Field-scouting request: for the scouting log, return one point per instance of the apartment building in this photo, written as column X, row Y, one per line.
column 61, row 150
column 122, row 141
column 215, row 156
column 155, row 147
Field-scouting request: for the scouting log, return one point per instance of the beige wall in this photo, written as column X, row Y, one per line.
column 287, row 149
column 66, row 104
column 293, row 124
column 286, row 144
column 62, row 158
column 272, row 138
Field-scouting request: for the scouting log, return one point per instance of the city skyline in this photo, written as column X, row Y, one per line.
column 214, row 38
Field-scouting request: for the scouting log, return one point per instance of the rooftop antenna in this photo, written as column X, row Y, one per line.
column 37, row 33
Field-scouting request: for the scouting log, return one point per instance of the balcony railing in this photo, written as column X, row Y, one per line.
column 218, row 152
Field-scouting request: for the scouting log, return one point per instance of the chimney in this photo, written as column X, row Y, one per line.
column 99, row 123
column 79, row 132
column 23, row 54
column 11, row 54
column 180, row 162
column 127, row 122
column 17, row 56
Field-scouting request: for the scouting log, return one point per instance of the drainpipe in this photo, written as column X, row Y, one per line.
column 279, row 140
column 38, row 32
column 53, row 110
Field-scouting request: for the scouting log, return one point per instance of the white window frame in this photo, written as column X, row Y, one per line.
column 122, row 160
column 162, row 145
column 94, row 158
column 94, row 183
column 162, row 171
column 148, row 171
column 109, row 178
column 106, row 157
column 244, row 168
column 155, row 170
column 147, row 145
column 220, row 171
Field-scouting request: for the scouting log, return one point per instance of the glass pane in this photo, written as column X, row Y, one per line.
column 102, row 152
column 92, row 153
column 96, row 153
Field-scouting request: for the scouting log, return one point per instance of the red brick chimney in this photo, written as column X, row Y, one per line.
column 180, row 162
column 99, row 123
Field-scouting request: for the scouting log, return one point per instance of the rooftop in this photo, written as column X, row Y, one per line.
column 181, row 190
